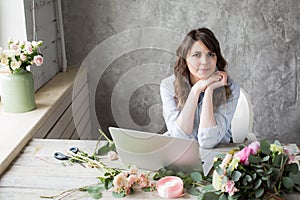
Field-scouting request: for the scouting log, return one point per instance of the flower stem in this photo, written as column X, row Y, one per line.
column 104, row 135
column 78, row 157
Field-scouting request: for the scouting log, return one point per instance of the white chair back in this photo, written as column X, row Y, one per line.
column 242, row 121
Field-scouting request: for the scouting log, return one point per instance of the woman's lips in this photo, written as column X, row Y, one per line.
column 203, row 70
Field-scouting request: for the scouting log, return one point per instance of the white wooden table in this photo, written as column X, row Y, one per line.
column 35, row 172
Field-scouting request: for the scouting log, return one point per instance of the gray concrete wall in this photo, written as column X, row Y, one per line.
column 259, row 39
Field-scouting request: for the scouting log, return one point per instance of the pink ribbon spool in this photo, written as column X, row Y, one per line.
column 170, row 187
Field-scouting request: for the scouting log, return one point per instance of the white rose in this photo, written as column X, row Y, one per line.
column 217, row 181
column 15, row 64
column 4, row 61
column 34, row 43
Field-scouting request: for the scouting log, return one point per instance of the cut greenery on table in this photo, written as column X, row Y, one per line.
column 260, row 170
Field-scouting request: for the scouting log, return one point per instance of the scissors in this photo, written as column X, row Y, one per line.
column 61, row 156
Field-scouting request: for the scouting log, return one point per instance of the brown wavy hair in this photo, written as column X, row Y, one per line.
column 182, row 80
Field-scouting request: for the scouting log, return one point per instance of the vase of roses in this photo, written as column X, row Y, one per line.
column 260, row 170
column 16, row 82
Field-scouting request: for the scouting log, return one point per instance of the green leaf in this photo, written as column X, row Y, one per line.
column 257, row 183
column 210, row 196
column 254, row 159
column 294, row 168
column 108, row 183
column 246, row 179
column 277, row 143
column 95, row 191
column 194, row 191
column 254, row 176
column 278, row 160
column 297, row 188
column 217, row 164
column 287, row 182
column 295, row 177
column 147, row 189
column 188, row 182
column 265, row 178
column 170, row 173
column 269, row 171
column 236, row 175
column 119, row 195
column 196, row 176
column 102, row 151
column 265, row 147
column 275, row 174
column 208, row 188
column 223, row 197
column 181, row 175
column 200, row 196
column 266, row 158
column 220, row 171
column 259, row 193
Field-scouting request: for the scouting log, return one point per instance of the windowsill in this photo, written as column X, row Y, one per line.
column 17, row 130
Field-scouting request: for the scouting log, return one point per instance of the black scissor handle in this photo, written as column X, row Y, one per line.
column 74, row 149
column 60, row 156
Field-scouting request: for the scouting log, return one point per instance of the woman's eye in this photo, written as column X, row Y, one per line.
column 211, row 54
column 196, row 55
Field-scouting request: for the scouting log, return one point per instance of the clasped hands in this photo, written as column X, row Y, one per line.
column 216, row 80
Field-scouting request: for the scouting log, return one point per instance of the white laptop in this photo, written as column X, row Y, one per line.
column 152, row 151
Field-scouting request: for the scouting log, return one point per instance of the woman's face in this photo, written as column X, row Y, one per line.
column 201, row 62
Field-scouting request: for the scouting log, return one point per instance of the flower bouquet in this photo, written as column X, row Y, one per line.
column 258, row 171
column 16, row 82
column 19, row 55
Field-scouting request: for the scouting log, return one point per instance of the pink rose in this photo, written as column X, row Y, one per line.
column 133, row 170
column 143, row 180
column 243, row 155
column 14, row 46
column 229, row 187
column 226, row 160
column 23, row 57
column 29, row 48
column 293, row 159
column 131, row 180
column 112, row 155
column 38, row 60
column 286, row 151
column 254, row 146
column 120, row 181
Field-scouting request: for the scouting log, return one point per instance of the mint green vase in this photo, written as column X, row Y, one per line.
column 17, row 92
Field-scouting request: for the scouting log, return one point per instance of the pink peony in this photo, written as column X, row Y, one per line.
column 254, row 147
column 229, row 187
column 38, row 60
column 243, row 155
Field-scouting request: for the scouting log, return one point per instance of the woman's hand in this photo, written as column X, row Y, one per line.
column 220, row 79
column 201, row 85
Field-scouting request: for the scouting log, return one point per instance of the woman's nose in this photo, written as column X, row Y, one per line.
column 203, row 60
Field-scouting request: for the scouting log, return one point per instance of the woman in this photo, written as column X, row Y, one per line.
column 199, row 100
